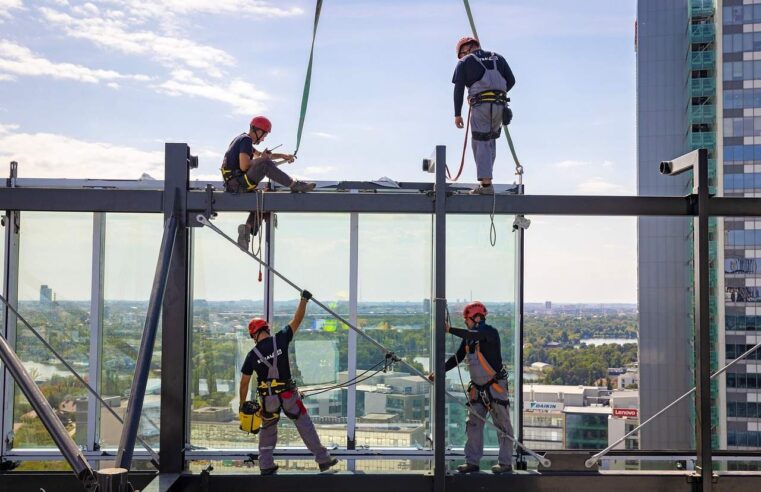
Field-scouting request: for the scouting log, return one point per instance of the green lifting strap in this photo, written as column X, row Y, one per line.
column 308, row 80
column 518, row 166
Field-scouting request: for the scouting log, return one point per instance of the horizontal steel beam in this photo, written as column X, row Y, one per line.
column 59, row 481
column 544, row 482
column 81, row 200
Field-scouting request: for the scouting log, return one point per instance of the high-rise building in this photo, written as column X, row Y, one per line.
column 699, row 86
column 46, row 296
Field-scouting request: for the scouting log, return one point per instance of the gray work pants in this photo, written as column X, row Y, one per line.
column 485, row 118
column 474, row 428
column 268, row 434
column 257, row 173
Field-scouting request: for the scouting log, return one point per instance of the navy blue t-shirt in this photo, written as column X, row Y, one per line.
column 486, row 336
column 469, row 71
column 240, row 144
column 253, row 363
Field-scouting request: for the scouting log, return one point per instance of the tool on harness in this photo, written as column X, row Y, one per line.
column 250, row 417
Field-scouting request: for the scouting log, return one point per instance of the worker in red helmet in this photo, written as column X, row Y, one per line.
column 488, row 78
column 243, row 167
column 481, row 350
column 277, row 391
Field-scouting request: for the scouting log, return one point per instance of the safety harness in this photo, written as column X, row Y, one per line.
column 480, row 393
column 272, row 390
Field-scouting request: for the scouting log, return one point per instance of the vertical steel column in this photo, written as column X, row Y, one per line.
column 439, row 388
column 12, row 221
column 518, row 339
column 351, row 396
column 702, row 329
column 96, row 327
column 176, row 316
column 144, row 356
column 270, row 224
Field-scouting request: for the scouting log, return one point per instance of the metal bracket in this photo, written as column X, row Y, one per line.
column 521, row 222
column 7, row 465
column 208, row 212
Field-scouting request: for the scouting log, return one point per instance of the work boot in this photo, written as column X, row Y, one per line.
column 244, row 236
column 302, row 186
column 482, row 190
column 269, row 471
column 499, row 469
column 328, row 465
column 468, row 468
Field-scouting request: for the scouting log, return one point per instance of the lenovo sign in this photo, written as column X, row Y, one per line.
column 625, row 412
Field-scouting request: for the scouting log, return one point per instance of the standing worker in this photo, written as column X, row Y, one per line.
column 487, row 391
column 488, row 78
column 277, row 391
column 244, row 167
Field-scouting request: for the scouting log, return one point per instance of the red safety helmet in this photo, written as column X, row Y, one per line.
column 256, row 325
column 463, row 41
column 261, row 123
column 474, row 309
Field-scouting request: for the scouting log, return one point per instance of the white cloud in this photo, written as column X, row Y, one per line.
column 66, row 157
column 571, row 164
column 242, row 96
column 19, row 60
column 598, row 186
column 318, row 170
column 327, row 136
column 247, row 8
column 7, row 5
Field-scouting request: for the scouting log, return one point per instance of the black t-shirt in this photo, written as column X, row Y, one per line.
column 252, row 362
column 240, row 144
column 486, row 336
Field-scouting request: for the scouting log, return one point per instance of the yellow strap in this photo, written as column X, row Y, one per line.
column 250, row 186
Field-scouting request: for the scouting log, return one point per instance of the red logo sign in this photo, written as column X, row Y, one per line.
column 625, row 412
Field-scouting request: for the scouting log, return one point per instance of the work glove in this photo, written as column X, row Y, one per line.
column 306, row 295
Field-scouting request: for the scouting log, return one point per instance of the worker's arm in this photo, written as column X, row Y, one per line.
column 458, row 79
column 468, row 334
column 244, row 161
column 286, row 157
column 301, row 310
column 458, row 356
column 504, row 70
column 244, row 381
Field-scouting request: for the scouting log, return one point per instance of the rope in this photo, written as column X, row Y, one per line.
column 308, row 80
column 389, row 355
column 58, row 356
column 464, row 148
column 351, row 382
column 470, row 18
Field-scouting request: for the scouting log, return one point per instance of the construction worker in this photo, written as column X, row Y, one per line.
column 244, row 167
column 480, row 349
column 488, row 78
column 277, row 391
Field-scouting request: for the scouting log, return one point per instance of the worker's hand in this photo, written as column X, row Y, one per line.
column 458, row 122
column 446, row 326
column 267, row 154
column 431, row 377
column 306, row 295
column 289, row 158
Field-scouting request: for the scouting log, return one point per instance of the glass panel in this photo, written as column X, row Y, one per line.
column 226, row 295
column 491, row 280
column 54, row 296
column 394, row 408
column 132, row 246
column 312, row 250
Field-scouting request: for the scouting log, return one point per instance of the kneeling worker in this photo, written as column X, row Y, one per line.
column 244, row 167
column 277, row 391
column 487, row 392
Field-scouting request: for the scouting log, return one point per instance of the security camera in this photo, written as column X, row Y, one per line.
column 680, row 164
column 193, row 161
column 429, row 165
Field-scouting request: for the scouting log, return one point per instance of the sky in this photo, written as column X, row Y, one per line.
column 94, row 89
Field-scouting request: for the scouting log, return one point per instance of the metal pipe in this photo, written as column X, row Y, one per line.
column 143, row 363
column 57, row 431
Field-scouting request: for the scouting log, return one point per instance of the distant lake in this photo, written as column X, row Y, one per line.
column 603, row 341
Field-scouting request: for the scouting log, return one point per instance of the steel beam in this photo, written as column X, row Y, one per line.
column 351, row 397
column 176, row 317
column 702, row 329
column 80, row 200
column 270, row 224
column 12, row 220
column 439, row 348
column 143, row 362
column 518, row 339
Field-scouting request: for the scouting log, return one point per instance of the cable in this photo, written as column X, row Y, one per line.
column 150, row 450
column 346, row 383
column 492, row 227
column 308, row 79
